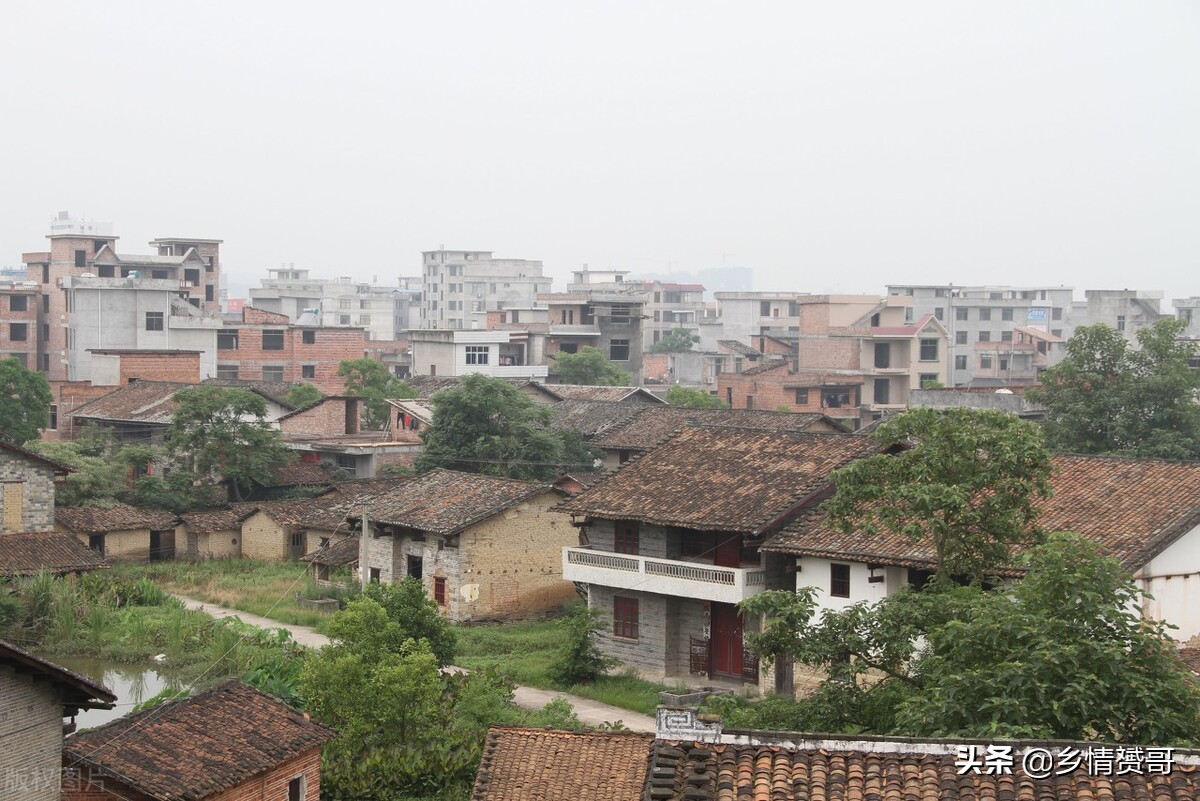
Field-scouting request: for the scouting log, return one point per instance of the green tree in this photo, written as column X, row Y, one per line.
column 303, row 395
column 370, row 379
column 485, row 425
column 1108, row 397
column 694, row 398
column 580, row 660
column 223, row 432
column 589, row 367
column 964, row 481
column 24, row 402
column 1063, row 654
column 416, row 616
column 98, row 478
column 677, row 340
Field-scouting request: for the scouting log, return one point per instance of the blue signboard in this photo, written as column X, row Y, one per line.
column 1036, row 315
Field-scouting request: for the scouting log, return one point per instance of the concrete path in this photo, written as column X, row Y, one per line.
column 590, row 712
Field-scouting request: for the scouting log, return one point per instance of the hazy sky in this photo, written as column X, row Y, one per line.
column 828, row 146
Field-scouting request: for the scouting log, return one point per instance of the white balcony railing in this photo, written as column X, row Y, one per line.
column 662, row 576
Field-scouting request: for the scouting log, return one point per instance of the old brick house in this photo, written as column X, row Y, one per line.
column 268, row 346
column 483, row 547
column 36, row 695
column 27, row 489
column 670, row 543
column 121, row 533
column 53, row 552
column 230, row 743
column 1144, row 512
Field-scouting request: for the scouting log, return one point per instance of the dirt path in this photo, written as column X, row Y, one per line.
column 590, row 712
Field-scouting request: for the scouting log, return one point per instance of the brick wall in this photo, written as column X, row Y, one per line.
column 263, row 538
column 67, row 397
column 132, row 545
column 269, row 786
column 209, row 545
column 256, row 316
column 31, row 731
column 181, row 367
column 321, row 358
column 654, row 366
column 26, row 494
column 17, row 321
column 326, row 419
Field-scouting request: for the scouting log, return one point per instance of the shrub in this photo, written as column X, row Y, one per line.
column 580, row 661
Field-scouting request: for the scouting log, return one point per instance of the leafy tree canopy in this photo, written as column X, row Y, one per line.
column 677, row 340
column 694, row 398
column 223, row 432
column 590, row 367
column 370, row 379
column 965, row 481
column 303, row 394
column 1108, row 397
column 98, row 476
column 416, row 616
column 485, row 425
column 24, row 402
column 1063, row 654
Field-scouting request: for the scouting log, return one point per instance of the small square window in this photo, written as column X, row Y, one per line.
column 272, row 340
column 985, row 362
column 929, row 350
column 18, row 303
column 985, row 313
column 960, row 362
column 154, row 321
column 477, row 354
column 274, row 373
column 960, row 337
column 227, row 340
column 985, row 336
column 1006, row 314
column 308, row 371
column 308, row 337
column 626, row 537
column 227, row 371
column 618, row 350
column 960, row 313
column 802, row 396
column 18, row 332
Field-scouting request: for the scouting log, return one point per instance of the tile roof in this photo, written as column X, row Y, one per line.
column 446, row 501
column 297, row 473
column 585, row 479
column 79, row 692
column 1191, row 658
column 327, row 511
column 121, row 517
column 883, row 771
column 738, row 347
column 765, row 366
column 148, row 402
column 59, row 468
column 200, row 746
column 1134, row 508
column 910, row 330
column 721, row 478
column 427, row 385
column 210, row 520
column 26, row 553
column 611, row 394
column 544, row 765
column 336, row 554
column 657, row 423
column 591, row 417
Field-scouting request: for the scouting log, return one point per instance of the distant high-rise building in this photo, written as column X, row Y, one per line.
column 460, row 287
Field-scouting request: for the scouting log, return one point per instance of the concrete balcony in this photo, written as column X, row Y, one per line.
column 663, row 576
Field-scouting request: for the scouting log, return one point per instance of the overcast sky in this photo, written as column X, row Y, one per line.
column 827, row 146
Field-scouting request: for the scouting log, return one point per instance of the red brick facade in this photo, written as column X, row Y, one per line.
column 331, row 417
column 19, row 329
column 153, row 365
column 269, row 786
column 67, row 396
column 308, row 354
column 782, row 390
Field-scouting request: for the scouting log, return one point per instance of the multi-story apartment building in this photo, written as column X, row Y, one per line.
column 745, row 314
column 609, row 320
column 853, row 357
column 461, row 286
column 667, row 305
column 1126, row 310
column 134, row 313
column 84, row 248
column 383, row 313
column 267, row 346
column 19, row 326
column 983, row 323
column 1187, row 310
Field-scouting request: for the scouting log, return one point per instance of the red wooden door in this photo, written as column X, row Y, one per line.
column 728, row 552
column 725, row 640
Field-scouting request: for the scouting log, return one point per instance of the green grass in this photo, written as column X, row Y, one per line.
column 260, row 588
column 523, row 652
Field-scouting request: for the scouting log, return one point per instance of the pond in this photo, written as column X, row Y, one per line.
column 132, row 684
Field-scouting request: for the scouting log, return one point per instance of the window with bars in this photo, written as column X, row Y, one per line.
column 272, row 340
column 439, row 590
column 626, row 537
column 625, row 617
